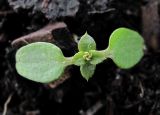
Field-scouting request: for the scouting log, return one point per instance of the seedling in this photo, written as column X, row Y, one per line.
column 44, row 62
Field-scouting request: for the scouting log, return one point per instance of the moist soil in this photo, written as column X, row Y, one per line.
column 111, row 91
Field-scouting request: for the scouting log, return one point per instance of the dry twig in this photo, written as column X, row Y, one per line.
column 150, row 24
column 42, row 35
column 6, row 105
column 92, row 110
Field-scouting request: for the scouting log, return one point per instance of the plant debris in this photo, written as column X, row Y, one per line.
column 52, row 9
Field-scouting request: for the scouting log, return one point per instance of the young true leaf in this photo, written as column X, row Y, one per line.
column 97, row 57
column 78, row 59
column 40, row 62
column 86, row 43
column 126, row 47
column 87, row 70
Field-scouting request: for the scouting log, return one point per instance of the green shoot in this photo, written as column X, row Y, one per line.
column 45, row 62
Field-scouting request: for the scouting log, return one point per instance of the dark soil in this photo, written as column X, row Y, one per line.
column 111, row 91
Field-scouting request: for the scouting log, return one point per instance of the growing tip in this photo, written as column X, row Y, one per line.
column 86, row 33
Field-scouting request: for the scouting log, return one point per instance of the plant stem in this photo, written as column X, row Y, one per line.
column 69, row 61
column 108, row 53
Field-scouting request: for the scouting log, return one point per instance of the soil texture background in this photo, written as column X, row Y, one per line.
column 111, row 91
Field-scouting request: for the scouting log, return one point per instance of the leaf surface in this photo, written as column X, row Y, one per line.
column 87, row 70
column 86, row 43
column 40, row 62
column 126, row 47
column 78, row 59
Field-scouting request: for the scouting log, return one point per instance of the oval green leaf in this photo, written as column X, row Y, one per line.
column 126, row 47
column 87, row 70
column 86, row 43
column 40, row 62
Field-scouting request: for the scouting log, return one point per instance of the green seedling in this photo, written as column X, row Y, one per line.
column 44, row 62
